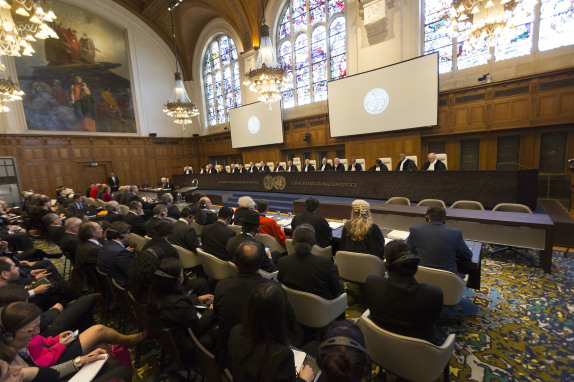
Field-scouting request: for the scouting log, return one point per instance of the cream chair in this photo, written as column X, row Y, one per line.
column 271, row 166
column 344, row 162
column 215, row 268
column 313, row 162
column 138, row 241
column 267, row 275
column 512, row 207
column 171, row 220
column 228, row 168
column 271, row 242
column 356, row 267
column 188, row 258
column 197, row 227
column 330, row 161
column 284, row 165
column 414, row 158
column 236, row 228
column 316, row 250
column 361, row 161
column 410, row 358
column 443, row 159
column 289, row 246
column 399, row 200
column 314, row 311
column 431, row 203
column 247, row 166
column 124, row 209
column 467, row 205
column 451, row 284
column 297, row 162
column 388, row 162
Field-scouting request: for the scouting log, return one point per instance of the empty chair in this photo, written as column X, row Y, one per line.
column 215, row 268
column 467, row 205
column 431, row 203
column 451, row 284
column 395, row 353
column 314, row 311
column 187, row 257
column 399, row 200
column 267, row 275
column 138, row 241
column 271, row 242
column 388, row 162
column 512, row 207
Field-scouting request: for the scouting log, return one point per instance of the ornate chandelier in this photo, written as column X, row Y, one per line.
column 8, row 90
column 486, row 18
column 179, row 106
column 22, row 22
column 268, row 77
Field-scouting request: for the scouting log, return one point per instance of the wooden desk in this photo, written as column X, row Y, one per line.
column 152, row 193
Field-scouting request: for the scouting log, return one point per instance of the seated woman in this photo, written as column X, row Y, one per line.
column 20, row 325
column 106, row 194
column 342, row 356
column 170, row 307
column 360, row 234
column 259, row 348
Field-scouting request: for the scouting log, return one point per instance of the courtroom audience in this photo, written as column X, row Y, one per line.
column 113, row 209
column 114, row 258
column 360, row 234
column 214, row 237
column 159, row 214
column 160, row 239
column 306, row 271
column 134, row 219
column 184, row 234
column 268, row 225
column 438, row 245
column 259, row 347
column 70, row 238
column 246, row 203
column 204, row 215
column 323, row 231
column 172, row 209
column 399, row 303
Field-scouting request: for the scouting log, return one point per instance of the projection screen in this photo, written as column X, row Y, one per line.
column 256, row 125
column 395, row 97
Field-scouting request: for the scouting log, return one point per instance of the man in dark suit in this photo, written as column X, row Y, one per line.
column 172, row 209
column 221, row 169
column 77, row 204
column 134, row 219
column 160, row 239
column 114, row 258
column 240, row 169
column 337, row 165
column 323, row 231
column 263, row 167
column 291, row 167
column 159, row 214
column 163, row 183
column 379, row 166
column 54, row 227
column 187, row 170
column 215, row 236
column 114, row 182
column 232, row 168
column 308, row 167
column 307, row 272
column 204, row 214
column 70, row 239
column 399, row 303
column 183, row 234
column 86, row 253
column 405, row 164
column 113, row 212
column 325, row 166
column 433, row 164
column 437, row 245
column 252, row 168
column 278, row 167
column 354, row 166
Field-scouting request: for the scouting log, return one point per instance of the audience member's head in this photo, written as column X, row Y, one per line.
column 8, row 270
column 399, row 259
column 118, row 231
column 436, row 214
column 112, row 206
column 90, row 230
column 204, row 202
column 342, row 356
column 78, row 198
column 248, row 257
column 73, row 225
column 14, row 317
column 160, row 210
column 163, row 229
column 225, row 214
column 303, row 239
column 188, row 213
column 135, row 206
column 51, row 219
column 250, row 222
column 246, row 202
column 167, row 198
column 262, row 206
column 360, row 223
column 311, row 204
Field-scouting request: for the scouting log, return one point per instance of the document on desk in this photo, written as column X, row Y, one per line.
column 335, row 225
column 88, row 372
column 398, row 235
column 284, row 222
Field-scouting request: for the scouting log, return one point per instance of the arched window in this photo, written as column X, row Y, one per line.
column 312, row 48
column 553, row 22
column 221, row 79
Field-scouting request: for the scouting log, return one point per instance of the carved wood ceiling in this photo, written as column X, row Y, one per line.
column 191, row 16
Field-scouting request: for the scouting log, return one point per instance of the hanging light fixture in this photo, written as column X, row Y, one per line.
column 8, row 90
column 268, row 77
column 179, row 106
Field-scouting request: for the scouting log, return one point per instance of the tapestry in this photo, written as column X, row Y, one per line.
column 81, row 81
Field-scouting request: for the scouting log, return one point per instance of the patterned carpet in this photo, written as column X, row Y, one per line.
column 518, row 327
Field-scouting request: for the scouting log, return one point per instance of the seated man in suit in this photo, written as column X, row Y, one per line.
column 250, row 224
column 163, row 183
column 221, row 169
column 134, row 219
column 159, row 214
column 323, row 231
column 160, row 239
column 240, row 169
column 291, row 167
column 113, row 212
column 337, row 165
column 204, row 214
column 172, row 209
column 77, row 204
column 308, row 167
column 437, row 245
column 232, row 168
column 325, row 166
column 183, row 234
column 187, row 170
column 70, row 238
column 215, row 236
column 54, row 227
column 379, row 166
column 354, row 166
column 252, row 168
column 86, row 253
column 405, row 164
column 399, row 303
column 263, row 167
column 114, row 258
column 278, row 167
column 306, row 271
column 433, row 164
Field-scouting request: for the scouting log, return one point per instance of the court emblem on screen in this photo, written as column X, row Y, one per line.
column 277, row 182
column 253, row 125
column 376, row 101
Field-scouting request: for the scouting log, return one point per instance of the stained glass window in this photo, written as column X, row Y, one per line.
column 516, row 41
column 222, row 86
column 437, row 32
column 312, row 44
column 556, row 24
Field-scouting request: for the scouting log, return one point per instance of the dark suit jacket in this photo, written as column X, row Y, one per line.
column 151, row 224
column 223, row 171
column 408, row 166
column 113, row 217
column 114, row 260
column 184, row 236
column 328, row 167
column 240, row 170
column 403, row 306
column 163, row 184
column 160, row 242
column 310, row 168
column 214, row 239
column 278, row 169
column 358, row 167
column 438, row 166
column 55, row 233
column 211, row 171
column 310, row 273
column 383, row 168
column 188, row 172
column 69, row 243
column 233, row 243
column 205, row 217
column 323, row 233
column 86, row 256
column 173, row 211
column 137, row 224
column 293, row 168
column 264, row 169
column 73, row 209
column 114, row 183
column 253, row 169
column 340, row 167
column 438, row 246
